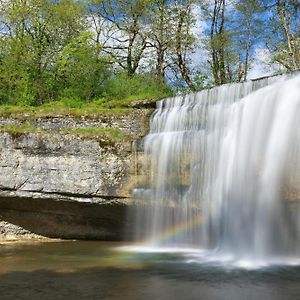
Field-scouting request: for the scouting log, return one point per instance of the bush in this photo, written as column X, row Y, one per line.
column 137, row 87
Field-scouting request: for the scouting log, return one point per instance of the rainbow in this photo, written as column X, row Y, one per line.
column 125, row 257
column 176, row 230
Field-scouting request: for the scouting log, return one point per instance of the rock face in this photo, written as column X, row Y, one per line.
column 62, row 164
column 69, row 185
column 13, row 232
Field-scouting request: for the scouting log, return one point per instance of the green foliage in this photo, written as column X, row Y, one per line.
column 90, row 55
column 137, row 87
column 111, row 134
column 91, row 110
column 81, row 74
column 202, row 81
column 19, row 129
column 50, row 57
column 39, row 31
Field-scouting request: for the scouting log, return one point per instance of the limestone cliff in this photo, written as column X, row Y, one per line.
column 63, row 177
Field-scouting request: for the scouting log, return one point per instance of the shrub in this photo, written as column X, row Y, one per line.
column 137, row 87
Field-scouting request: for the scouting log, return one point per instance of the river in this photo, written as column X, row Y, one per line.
column 102, row 270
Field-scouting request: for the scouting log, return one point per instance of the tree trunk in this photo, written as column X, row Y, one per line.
column 181, row 62
column 217, row 43
column 281, row 9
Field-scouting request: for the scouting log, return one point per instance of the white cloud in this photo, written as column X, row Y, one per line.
column 201, row 54
column 262, row 64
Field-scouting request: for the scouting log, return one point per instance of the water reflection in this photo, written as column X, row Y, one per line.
column 94, row 270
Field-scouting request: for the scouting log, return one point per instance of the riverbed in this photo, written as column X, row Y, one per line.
column 102, row 270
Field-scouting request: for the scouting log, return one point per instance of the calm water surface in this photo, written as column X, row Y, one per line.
column 97, row 270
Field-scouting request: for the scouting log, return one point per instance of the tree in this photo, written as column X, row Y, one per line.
column 184, row 39
column 170, row 34
column 161, row 35
column 125, row 40
column 38, row 31
column 80, row 73
column 235, row 30
column 289, row 53
column 133, row 32
column 282, row 34
column 245, row 25
column 217, row 42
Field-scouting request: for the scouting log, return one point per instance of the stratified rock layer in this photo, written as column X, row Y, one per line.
column 65, row 185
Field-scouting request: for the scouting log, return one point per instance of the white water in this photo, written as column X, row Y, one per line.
column 229, row 156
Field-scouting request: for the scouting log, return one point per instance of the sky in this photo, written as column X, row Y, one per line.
column 261, row 57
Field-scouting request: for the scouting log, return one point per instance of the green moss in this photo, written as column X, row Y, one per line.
column 112, row 134
column 19, row 129
column 107, row 135
column 91, row 110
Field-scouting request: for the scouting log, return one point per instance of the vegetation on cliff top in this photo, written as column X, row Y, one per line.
column 19, row 129
column 112, row 134
column 109, row 135
column 99, row 54
column 59, row 108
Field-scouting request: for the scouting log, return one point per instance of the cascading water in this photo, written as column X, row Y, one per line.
column 224, row 169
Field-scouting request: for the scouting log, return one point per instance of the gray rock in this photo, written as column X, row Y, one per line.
column 55, row 174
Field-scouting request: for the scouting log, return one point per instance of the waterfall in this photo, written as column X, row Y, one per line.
column 223, row 171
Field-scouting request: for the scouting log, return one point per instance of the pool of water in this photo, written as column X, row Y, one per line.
column 101, row 270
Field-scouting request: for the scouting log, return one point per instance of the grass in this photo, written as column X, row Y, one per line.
column 75, row 108
column 123, row 94
column 111, row 134
column 93, row 109
column 57, row 108
column 126, row 102
column 19, row 129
